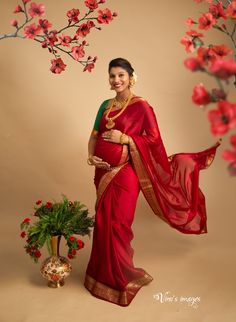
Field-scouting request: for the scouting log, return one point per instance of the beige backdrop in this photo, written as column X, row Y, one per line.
column 45, row 122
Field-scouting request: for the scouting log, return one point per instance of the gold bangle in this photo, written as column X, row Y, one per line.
column 122, row 138
column 89, row 160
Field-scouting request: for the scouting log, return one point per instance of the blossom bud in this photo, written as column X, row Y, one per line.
column 102, row 1
column 18, row 9
column 89, row 57
column 14, row 23
column 115, row 14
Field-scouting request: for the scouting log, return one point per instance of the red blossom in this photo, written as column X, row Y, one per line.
column 80, row 243
column 89, row 67
column 72, row 238
column 200, row 95
column 223, row 118
column 38, row 202
column 206, row 21
column 193, row 63
column 26, row 220
column 217, row 10
column 188, row 43
column 65, row 40
column 194, row 33
column 51, row 38
column 23, row 234
column 14, row 23
column 231, row 10
column 73, row 252
column 48, row 205
column 104, row 16
column 223, row 69
column 91, row 4
column 32, row 31
column 70, row 256
column 18, row 9
column 77, row 52
column 26, row 1
column 189, row 22
column 45, row 24
column 37, row 253
column 220, row 51
column 228, row 154
column 36, row 10
column 84, row 29
column 57, row 66
column 73, row 15
column 204, row 54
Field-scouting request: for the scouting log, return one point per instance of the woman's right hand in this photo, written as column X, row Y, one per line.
column 99, row 163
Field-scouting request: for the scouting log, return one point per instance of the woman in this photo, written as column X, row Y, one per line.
column 127, row 151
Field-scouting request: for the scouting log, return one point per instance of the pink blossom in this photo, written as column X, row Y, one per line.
column 65, row 40
column 206, row 21
column 14, row 23
column 32, row 31
column 57, row 66
column 45, row 24
column 223, row 68
column 89, row 67
column 200, row 95
column 84, row 29
column 217, row 11
column 193, row 63
column 91, row 4
column 223, row 118
column 104, row 16
column 231, row 10
column 18, row 9
column 189, row 22
column 73, row 15
column 189, row 46
column 77, row 52
column 36, row 10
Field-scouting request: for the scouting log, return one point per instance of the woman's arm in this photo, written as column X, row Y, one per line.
column 92, row 159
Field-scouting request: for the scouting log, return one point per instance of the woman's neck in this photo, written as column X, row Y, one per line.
column 123, row 95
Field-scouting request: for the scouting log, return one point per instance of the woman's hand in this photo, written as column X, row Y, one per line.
column 112, row 136
column 99, row 163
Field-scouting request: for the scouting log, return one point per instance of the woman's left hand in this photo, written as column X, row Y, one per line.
column 112, row 136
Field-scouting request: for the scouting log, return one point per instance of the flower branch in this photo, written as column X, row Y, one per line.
column 215, row 61
column 55, row 40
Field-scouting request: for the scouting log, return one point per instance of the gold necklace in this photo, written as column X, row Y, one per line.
column 110, row 120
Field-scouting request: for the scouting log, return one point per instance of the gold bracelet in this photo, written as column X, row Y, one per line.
column 89, row 160
column 122, row 138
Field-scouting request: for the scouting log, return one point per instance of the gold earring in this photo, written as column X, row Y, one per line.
column 131, row 82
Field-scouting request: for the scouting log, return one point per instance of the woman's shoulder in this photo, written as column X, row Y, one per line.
column 142, row 102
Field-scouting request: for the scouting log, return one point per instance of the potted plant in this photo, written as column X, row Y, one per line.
column 54, row 220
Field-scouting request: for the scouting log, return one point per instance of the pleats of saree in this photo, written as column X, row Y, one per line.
column 111, row 274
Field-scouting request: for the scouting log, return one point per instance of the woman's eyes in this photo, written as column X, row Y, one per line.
column 120, row 75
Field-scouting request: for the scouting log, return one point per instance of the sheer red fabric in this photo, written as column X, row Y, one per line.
column 169, row 184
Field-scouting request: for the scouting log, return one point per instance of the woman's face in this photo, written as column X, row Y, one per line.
column 119, row 79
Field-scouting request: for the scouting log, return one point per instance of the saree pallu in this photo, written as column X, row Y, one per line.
column 169, row 184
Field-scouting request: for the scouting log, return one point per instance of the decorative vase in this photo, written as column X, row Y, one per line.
column 55, row 268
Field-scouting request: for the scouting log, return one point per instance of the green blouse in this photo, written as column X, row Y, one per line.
column 99, row 115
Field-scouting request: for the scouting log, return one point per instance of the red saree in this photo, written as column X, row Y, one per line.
column 169, row 184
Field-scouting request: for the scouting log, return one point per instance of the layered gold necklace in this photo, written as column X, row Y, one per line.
column 120, row 104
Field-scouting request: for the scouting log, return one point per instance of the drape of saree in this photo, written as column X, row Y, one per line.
column 169, row 184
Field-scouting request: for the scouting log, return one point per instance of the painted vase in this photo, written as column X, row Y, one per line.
column 55, row 268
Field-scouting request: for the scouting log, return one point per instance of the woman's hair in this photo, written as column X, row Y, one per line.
column 123, row 63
